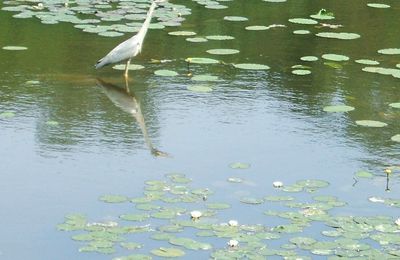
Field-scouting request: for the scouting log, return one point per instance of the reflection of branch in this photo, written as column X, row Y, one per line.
column 127, row 102
column 355, row 181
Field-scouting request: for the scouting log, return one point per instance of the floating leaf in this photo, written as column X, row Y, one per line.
column 239, row 165
column 202, row 60
column 223, row 51
column 339, row 35
column 15, row 48
column 200, row 88
column 338, row 108
column 196, row 39
column 205, row 77
column 219, row 37
column 303, row 21
column 370, row 123
column 335, row 57
column 313, row 183
column 218, row 206
column 301, row 72
column 278, row 198
column 189, row 243
column 133, row 257
column 166, row 73
column 113, row 198
column 130, row 245
column 168, row 252
column 250, row 200
column 390, row 51
column 235, row 18
column 364, row 174
column 235, row 180
column 396, row 138
column 7, row 114
column 130, row 67
column 367, row 62
column 52, row 123
column 257, row 28
column 395, row 105
column 378, row 5
column 309, row 58
column 134, row 217
column 301, row 32
column 251, row 66
column 182, row 33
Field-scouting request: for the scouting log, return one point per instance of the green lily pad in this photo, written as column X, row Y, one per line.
column 182, row 33
column 223, row 51
column 309, row 58
column 7, row 114
column 189, row 243
column 134, row 217
column 278, row 198
column 52, row 123
column 168, row 252
column 390, row 51
column 313, row 183
column 257, row 28
column 130, row 67
column 251, row 66
column 301, row 72
column 236, row 18
column 338, row 108
column 235, row 179
column 367, row 62
column 113, row 198
column 239, row 165
column 196, row 39
column 364, row 174
column 370, row 123
column 378, row 5
column 133, row 257
column 110, row 34
column 200, row 88
column 303, row 21
column 220, row 37
column 166, row 73
column 395, row 138
column 301, row 32
column 395, row 105
column 202, row 60
column 205, row 77
column 335, row 57
column 14, row 48
column 250, row 200
column 339, row 35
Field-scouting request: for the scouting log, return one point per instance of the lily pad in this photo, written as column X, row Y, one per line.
column 257, row 28
column 367, row 62
column 301, row 32
column 370, row 123
column 14, row 48
column 166, row 73
column 395, row 105
column 239, row 165
column 130, row 67
column 303, row 21
column 236, row 18
column 364, row 174
column 168, row 252
column 313, row 183
column 223, row 51
column 390, row 51
column 134, row 217
column 301, row 72
column 219, row 37
column 309, row 58
column 396, row 138
column 335, row 57
column 339, row 35
column 205, row 77
column 189, row 243
column 378, row 5
column 251, row 66
column 218, row 206
column 196, row 39
column 250, row 200
column 202, row 60
column 200, row 88
column 7, row 114
column 182, row 33
column 338, row 108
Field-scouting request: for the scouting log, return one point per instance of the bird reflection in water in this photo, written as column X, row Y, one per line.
column 126, row 100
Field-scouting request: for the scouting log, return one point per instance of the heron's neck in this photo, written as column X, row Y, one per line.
column 143, row 30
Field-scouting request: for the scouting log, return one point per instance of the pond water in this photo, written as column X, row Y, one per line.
column 66, row 141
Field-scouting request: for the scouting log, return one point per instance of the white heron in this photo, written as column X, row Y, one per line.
column 131, row 47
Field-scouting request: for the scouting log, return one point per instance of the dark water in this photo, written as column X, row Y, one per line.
column 272, row 119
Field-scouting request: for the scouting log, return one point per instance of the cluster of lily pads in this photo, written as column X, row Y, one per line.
column 104, row 18
column 165, row 214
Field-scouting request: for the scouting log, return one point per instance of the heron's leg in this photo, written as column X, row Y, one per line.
column 126, row 69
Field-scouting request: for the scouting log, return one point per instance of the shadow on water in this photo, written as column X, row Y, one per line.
column 126, row 100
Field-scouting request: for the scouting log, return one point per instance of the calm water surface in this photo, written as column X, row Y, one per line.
column 272, row 119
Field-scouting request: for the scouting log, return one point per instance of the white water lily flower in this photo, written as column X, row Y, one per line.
column 233, row 223
column 233, row 243
column 195, row 214
column 277, row 184
column 397, row 222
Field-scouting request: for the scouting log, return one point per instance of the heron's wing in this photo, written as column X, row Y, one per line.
column 123, row 51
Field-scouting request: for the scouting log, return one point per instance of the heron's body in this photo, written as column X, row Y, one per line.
column 128, row 49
